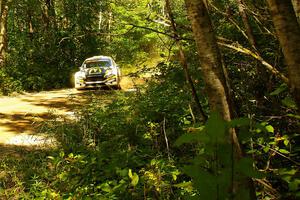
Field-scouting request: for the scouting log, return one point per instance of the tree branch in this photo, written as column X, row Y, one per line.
column 94, row 33
column 151, row 29
column 237, row 47
column 282, row 155
column 230, row 19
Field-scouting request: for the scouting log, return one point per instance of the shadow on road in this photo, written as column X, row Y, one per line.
column 22, row 122
column 25, row 114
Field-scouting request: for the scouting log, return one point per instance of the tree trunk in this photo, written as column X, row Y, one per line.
column 30, row 25
column 49, row 15
column 100, row 19
column 110, row 18
column 210, row 58
column 260, row 87
column 249, row 32
column 214, row 75
column 296, row 4
column 288, row 33
column 3, row 30
column 184, row 64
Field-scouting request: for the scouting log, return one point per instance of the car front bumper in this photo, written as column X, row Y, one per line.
column 111, row 81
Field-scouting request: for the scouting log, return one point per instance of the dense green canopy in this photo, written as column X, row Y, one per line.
column 218, row 119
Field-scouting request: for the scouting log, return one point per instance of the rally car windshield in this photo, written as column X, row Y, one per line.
column 100, row 63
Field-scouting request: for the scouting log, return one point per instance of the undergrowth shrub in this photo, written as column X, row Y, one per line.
column 118, row 147
column 121, row 145
column 8, row 84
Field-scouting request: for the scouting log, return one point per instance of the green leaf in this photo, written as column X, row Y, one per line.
column 105, row 187
column 259, row 128
column 239, row 122
column 285, row 171
column 289, row 102
column 186, row 121
column 294, row 116
column 283, row 87
column 200, row 160
column 190, row 137
column 266, row 149
column 284, row 151
column 130, row 173
column 184, row 185
column 286, row 142
column 263, row 127
column 251, row 151
column 203, row 181
column 270, row 128
column 216, row 127
column 71, row 155
column 61, row 154
column 134, row 179
column 294, row 185
column 122, row 172
column 153, row 162
column 50, row 157
column 244, row 134
column 245, row 166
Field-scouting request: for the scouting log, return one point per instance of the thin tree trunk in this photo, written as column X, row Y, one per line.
column 110, row 18
column 184, row 64
column 288, row 33
column 296, row 4
column 212, row 68
column 49, row 15
column 210, row 58
column 30, row 25
column 3, row 30
column 261, row 72
column 100, row 19
column 249, row 32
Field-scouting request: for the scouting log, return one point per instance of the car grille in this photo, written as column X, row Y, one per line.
column 94, row 78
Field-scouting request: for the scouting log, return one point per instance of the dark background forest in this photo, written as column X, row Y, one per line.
column 218, row 119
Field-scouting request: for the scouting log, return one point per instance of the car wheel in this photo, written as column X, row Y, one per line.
column 77, row 86
column 116, row 87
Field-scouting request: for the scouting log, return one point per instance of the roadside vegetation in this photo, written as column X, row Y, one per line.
column 217, row 119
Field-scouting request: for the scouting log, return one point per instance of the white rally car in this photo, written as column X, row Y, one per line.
column 98, row 71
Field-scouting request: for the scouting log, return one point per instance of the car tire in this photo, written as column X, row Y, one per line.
column 77, row 87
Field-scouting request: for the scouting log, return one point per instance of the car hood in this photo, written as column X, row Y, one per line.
column 96, row 71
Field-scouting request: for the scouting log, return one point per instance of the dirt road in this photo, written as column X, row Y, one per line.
column 21, row 115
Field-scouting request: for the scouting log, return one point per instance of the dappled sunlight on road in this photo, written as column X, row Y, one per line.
column 21, row 116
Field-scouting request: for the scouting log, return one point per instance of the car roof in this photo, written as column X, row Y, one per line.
column 96, row 58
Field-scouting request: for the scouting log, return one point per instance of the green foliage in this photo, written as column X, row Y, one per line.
column 215, row 169
column 115, row 149
column 117, row 146
column 49, row 40
column 8, row 83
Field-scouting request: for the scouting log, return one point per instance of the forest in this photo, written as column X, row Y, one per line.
column 219, row 118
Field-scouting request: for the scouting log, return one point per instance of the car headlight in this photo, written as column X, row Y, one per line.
column 79, row 75
column 110, row 72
